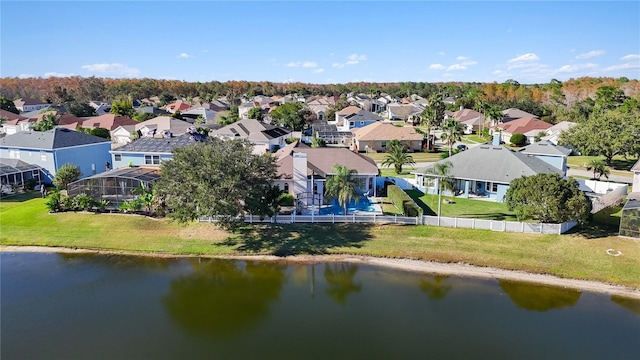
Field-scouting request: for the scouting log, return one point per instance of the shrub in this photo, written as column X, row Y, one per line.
column 66, row 174
column 445, row 154
column 54, row 202
column 291, row 140
column 403, row 201
column 30, row 184
column 83, row 202
column 518, row 139
column 285, row 200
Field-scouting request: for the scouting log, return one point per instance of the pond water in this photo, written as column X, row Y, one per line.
column 63, row 306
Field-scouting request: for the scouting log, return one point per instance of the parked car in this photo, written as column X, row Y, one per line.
column 462, row 147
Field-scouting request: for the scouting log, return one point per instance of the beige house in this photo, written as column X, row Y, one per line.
column 376, row 137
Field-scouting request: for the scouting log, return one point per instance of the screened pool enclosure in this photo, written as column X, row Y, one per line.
column 115, row 186
column 630, row 219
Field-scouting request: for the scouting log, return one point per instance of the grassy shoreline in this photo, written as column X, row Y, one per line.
column 24, row 221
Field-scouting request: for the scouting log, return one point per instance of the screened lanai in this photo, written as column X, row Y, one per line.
column 115, row 186
column 16, row 172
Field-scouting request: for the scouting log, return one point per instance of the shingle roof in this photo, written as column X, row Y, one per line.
column 403, row 111
column 49, row 140
column 545, row 148
column 163, row 123
column 524, row 125
column 9, row 115
column 636, row 167
column 495, row 164
column 108, row 121
column 156, row 145
column 251, row 129
column 513, row 113
column 322, row 160
column 349, row 110
column 466, row 114
column 385, row 131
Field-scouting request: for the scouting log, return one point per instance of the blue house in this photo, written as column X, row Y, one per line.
column 51, row 149
column 550, row 153
column 484, row 171
column 148, row 151
column 354, row 117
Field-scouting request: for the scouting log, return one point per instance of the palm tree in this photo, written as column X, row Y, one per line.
column 599, row 168
column 451, row 132
column 397, row 156
column 442, row 170
column 433, row 115
column 342, row 185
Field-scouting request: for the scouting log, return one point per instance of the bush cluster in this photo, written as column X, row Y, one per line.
column 402, row 200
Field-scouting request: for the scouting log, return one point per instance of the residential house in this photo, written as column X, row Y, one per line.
column 485, row 171
column 531, row 127
column 354, row 117
column 243, row 109
column 107, row 121
column 376, row 137
column 554, row 132
column 302, row 171
column 17, row 172
column 177, row 106
column 69, row 121
column 550, row 153
column 192, row 114
column 514, row 114
column 264, row 137
column 404, row 112
column 150, row 151
column 151, row 110
column 471, row 120
column 28, row 104
column 635, row 185
column 100, row 107
column 330, row 134
column 54, row 148
column 319, row 107
column 160, row 127
column 14, row 123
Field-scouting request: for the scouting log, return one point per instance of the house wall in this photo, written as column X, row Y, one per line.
column 559, row 162
column 42, row 158
column 635, row 187
column 121, row 136
column 27, row 108
column 90, row 159
column 135, row 159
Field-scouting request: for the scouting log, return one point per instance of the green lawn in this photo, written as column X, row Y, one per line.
column 620, row 164
column 391, row 172
column 417, row 156
column 468, row 208
column 25, row 221
column 474, row 139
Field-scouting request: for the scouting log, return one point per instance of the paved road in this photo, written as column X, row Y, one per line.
column 612, row 177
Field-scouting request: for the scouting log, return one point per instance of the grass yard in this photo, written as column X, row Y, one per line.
column 475, row 139
column 620, row 164
column 468, row 208
column 417, row 156
column 24, row 220
column 391, row 172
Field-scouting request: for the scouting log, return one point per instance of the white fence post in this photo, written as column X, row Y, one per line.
column 354, row 217
column 473, row 223
column 395, row 219
column 455, row 222
column 504, row 225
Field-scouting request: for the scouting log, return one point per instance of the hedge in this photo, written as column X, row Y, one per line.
column 402, row 200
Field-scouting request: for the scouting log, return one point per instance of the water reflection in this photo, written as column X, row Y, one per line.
column 538, row 297
column 435, row 286
column 223, row 297
column 119, row 261
column 630, row 304
column 339, row 278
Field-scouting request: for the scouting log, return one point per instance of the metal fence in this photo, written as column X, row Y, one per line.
column 464, row 223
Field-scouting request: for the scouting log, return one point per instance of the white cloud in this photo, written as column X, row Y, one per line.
column 436, row 67
column 351, row 62
column 460, row 58
column 356, row 57
column 294, row 64
column 528, row 57
column 470, row 62
column 57, row 74
column 590, row 54
column 318, row 71
column 337, row 65
column 112, row 69
column 631, row 57
column 456, row 67
column 575, row 67
column 623, row 66
column 184, row 56
column 24, row 76
column 441, row 53
column 309, row 64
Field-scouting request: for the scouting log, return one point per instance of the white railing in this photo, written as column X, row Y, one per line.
column 464, row 223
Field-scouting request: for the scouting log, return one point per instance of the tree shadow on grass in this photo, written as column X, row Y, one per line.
column 20, row 197
column 415, row 195
column 594, row 230
column 623, row 164
column 295, row 239
column 491, row 216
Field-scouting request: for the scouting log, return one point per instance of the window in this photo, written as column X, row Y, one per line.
column 383, row 144
column 495, row 187
column 351, row 123
column 315, row 188
column 152, row 159
column 117, row 157
column 487, row 186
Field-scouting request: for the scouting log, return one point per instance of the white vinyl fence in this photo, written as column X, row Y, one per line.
column 465, row 223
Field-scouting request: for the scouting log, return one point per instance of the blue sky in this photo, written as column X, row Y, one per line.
column 322, row 42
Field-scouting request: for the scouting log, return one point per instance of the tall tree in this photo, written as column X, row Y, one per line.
column 442, row 171
column 342, row 185
column 47, row 122
column 451, row 133
column 548, row 198
column 433, row 114
column 606, row 134
column 217, row 178
column 609, row 97
column 231, row 117
column 255, row 113
column 599, row 169
column 123, row 106
column 330, row 114
column 291, row 115
column 397, row 156
column 8, row 105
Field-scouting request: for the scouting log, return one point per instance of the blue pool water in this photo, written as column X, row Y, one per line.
column 360, row 204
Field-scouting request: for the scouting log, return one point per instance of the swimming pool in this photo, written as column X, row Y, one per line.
column 363, row 204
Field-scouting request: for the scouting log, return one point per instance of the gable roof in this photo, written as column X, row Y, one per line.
column 349, row 110
column 466, row 114
column 385, row 131
column 156, row 145
column 636, row 167
column 108, row 121
column 27, row 101
column 561, row 126
column 322, row 160
column 11, row 116
column 52, row 139
column 164, row 123
column 251, row 129
column 403, row 111
column 545, row 148
column 495, row 164
column 524, row 125
column 513, row 113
